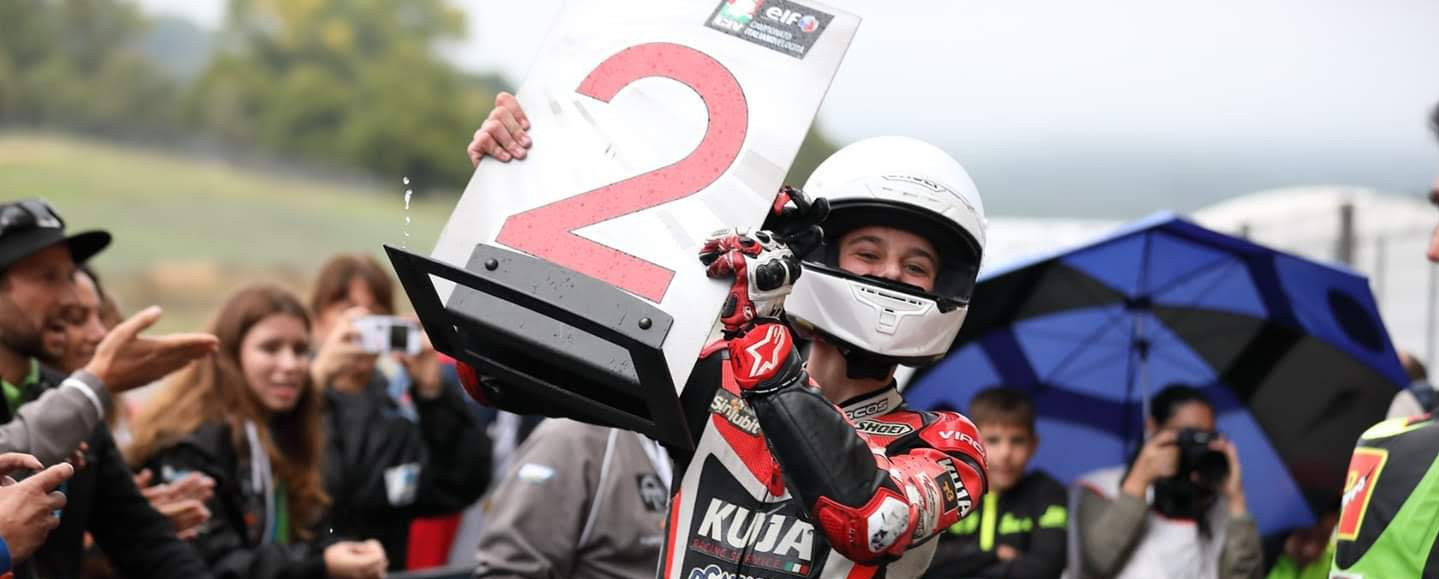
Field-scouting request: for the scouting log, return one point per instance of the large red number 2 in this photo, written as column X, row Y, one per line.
column 548, row 231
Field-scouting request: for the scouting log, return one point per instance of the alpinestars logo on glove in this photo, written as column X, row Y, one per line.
column 766, row 355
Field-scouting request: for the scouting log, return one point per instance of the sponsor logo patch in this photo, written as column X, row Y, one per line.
column 652, row 492
column 1364, row 469
column 731, row 529
column 884, row 428
column 734, row 410
column 962, row 501
column 948, row 496
column 772, row 541
column 875, row 408
column 887, row 523
column 962, row 437
column 534, row 473
column 765, row 355
column 715, row 572
column 401, row 483
column 783, row 26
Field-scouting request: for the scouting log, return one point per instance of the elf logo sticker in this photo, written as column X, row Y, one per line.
column 784, row 26
column 1364, row 470
column 805, row 22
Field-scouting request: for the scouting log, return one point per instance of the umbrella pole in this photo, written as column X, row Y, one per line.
column 1141, row 351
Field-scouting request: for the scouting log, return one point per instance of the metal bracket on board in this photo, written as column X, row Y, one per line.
column 560, row 343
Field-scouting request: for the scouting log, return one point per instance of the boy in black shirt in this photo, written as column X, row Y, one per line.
column 1019, row 529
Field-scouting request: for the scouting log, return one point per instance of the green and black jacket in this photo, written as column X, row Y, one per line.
column 1031, row 518
column 1389, row 524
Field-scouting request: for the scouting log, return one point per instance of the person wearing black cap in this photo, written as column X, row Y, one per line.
column 37, row 267
column 34, row 288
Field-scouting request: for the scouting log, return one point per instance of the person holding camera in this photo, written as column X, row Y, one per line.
column 402, row 442
column 1178, row 510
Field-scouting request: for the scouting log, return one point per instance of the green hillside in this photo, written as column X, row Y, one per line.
column 187, row 232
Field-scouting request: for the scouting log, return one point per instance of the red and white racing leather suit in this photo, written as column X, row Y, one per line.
column 782, row 483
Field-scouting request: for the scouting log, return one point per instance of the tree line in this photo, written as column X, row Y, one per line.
column 335, row 82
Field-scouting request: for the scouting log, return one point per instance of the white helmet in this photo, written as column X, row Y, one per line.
column 907, row 184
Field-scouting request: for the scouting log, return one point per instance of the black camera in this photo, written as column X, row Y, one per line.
column 1195, row 485
column 1204, row 466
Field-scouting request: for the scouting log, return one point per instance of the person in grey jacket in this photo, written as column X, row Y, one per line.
column 579, row 500
column 35, row 288
column 1145, row 521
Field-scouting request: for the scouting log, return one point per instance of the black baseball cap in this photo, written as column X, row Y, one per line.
column 30, row 225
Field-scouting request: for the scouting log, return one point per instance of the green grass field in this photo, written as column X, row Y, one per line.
column 221, row 225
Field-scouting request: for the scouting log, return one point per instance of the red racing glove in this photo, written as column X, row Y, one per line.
column 762, row 268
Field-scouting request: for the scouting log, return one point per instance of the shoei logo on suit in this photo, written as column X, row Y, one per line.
column 884, row 428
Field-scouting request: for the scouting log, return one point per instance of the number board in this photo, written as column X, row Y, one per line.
column 655, row 122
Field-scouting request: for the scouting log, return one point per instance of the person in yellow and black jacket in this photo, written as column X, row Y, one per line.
column 1019, row 530
column 1391, row 493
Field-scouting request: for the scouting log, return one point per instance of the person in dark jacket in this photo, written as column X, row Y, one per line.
column 49, row 415
column 250, row 419
column 1020, row 528
column 402, row 444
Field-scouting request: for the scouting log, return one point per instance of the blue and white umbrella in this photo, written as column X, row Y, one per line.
column 1292, row 352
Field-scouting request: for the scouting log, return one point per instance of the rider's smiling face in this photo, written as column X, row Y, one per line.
column 889, row 253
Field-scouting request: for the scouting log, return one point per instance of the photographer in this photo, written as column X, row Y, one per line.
column 402, row 443
column 1178, row 510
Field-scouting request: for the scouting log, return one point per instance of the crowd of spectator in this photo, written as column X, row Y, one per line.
column 276, row 444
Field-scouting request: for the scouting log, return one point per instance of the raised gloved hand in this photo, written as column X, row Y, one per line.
column 796, row 219
column 762, row 269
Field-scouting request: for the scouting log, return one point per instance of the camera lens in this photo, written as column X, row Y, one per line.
column 399, row 337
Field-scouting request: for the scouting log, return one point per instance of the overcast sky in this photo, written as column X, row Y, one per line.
column 1106, row 109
